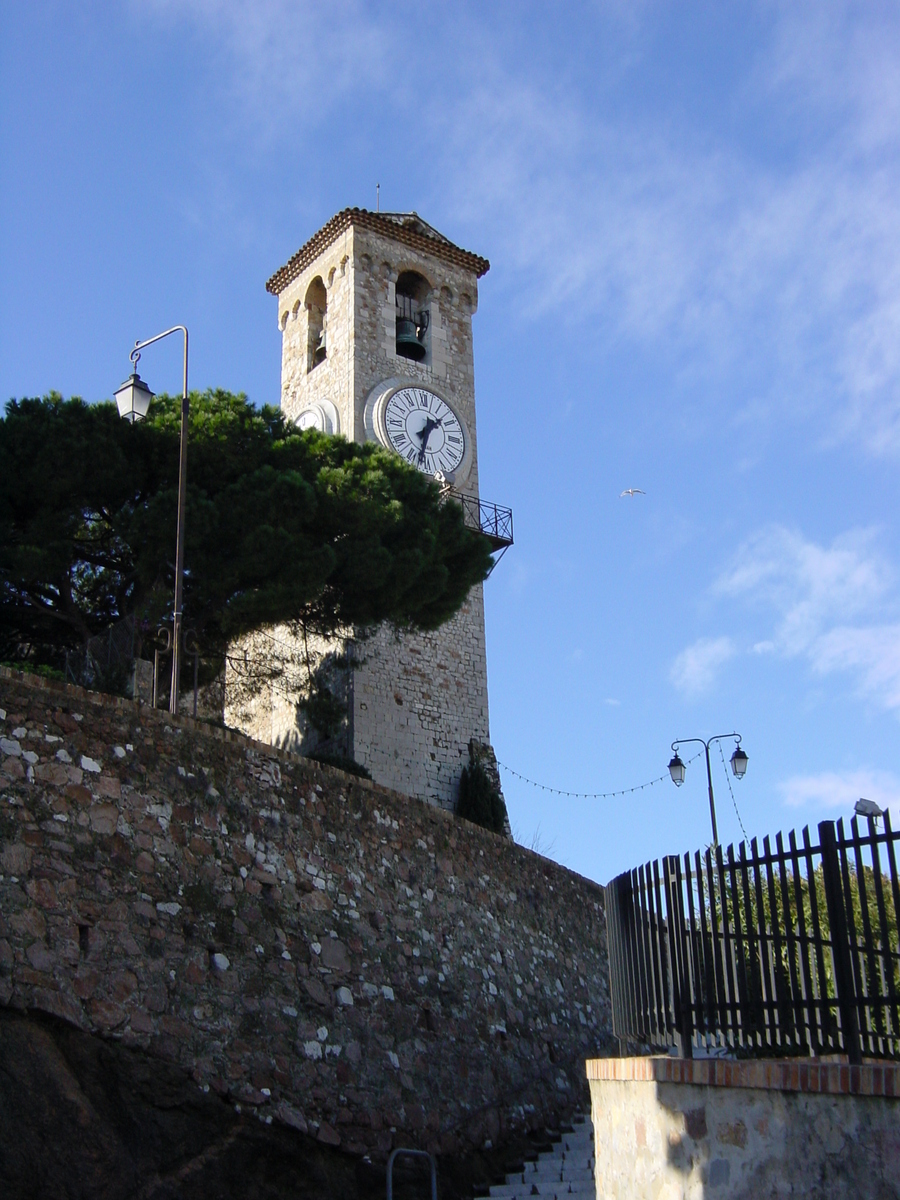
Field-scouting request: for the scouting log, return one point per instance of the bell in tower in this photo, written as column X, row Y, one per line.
column 411, row 295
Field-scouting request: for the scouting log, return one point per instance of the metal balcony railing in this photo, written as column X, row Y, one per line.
column 493, row 520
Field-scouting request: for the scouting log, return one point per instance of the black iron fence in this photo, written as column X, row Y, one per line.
column 762, row 952
column 106, row 661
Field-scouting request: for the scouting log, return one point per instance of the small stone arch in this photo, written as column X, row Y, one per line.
column 316, row 305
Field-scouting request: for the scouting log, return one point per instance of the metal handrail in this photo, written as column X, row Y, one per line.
column 411, row 1154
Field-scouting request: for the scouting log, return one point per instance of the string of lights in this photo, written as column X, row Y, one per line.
column 733, row 801
column 639, row 787
column 281, row 682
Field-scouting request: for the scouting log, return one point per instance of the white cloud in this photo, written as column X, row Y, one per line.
column 841, row 789
column 699, row 243
column 815, row 591
column 651, row 220
column 809, row 585
column 286, row 63
column 873, row 654
column 695, row 669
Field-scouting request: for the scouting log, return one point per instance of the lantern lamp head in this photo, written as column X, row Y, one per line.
column 739, row 762
column 676, row 769
column 133, row 398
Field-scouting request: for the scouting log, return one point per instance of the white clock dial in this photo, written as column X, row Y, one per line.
column 425, row 430
column 321, row 415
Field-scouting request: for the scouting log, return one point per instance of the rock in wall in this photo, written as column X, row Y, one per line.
column 349, row 964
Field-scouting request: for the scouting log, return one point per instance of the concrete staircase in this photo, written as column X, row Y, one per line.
column 564, row 1173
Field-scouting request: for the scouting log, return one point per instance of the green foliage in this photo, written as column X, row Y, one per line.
column 43, row 671
column 807, row 908
column 479, row 801
column 802, row 909
column 281, row 526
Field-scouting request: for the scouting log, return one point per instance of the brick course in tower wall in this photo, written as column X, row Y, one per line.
column 312, row 946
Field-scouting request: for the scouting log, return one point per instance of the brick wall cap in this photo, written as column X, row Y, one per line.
column 779, row 1074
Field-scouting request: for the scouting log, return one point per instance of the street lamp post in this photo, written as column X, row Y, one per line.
column 738, row 766
column 133, row 400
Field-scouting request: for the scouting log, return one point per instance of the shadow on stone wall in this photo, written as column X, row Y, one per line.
column 88, row 1118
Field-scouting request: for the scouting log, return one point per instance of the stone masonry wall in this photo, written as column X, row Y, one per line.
column 670, row 1129
column 418, row 700
column 414, row 701
column 450, row 369
column 266, row 675
column 318, row 950
column 331, row 380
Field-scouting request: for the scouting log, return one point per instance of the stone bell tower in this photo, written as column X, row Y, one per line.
column 376, row 313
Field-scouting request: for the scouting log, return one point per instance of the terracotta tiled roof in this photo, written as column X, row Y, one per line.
column 408, row 228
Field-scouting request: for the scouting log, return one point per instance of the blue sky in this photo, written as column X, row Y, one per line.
column 691, row 214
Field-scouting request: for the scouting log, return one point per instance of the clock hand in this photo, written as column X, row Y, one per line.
column 423, row 435
column 425, row 432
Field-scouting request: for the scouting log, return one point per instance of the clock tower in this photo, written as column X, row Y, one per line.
column 375, row 312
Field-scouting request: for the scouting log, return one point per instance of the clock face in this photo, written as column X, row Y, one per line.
column 322, row 416
column 425, row 430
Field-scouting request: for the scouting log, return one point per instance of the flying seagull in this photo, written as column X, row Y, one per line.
column 632, row 492
column 868, row 808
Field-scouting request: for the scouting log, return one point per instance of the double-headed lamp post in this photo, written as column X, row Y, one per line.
column 133, row 401
column 738, row 766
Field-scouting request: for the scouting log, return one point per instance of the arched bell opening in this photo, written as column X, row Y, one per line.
column 316, row 305
column 412, row 292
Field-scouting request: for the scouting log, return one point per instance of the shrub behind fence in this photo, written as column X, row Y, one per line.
column 791, row 951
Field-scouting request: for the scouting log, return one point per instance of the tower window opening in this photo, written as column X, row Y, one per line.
column 413, row 316
column 316, row 305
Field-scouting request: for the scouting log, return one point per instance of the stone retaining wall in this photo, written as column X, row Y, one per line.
column 669, row 1129
column 320, row 951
